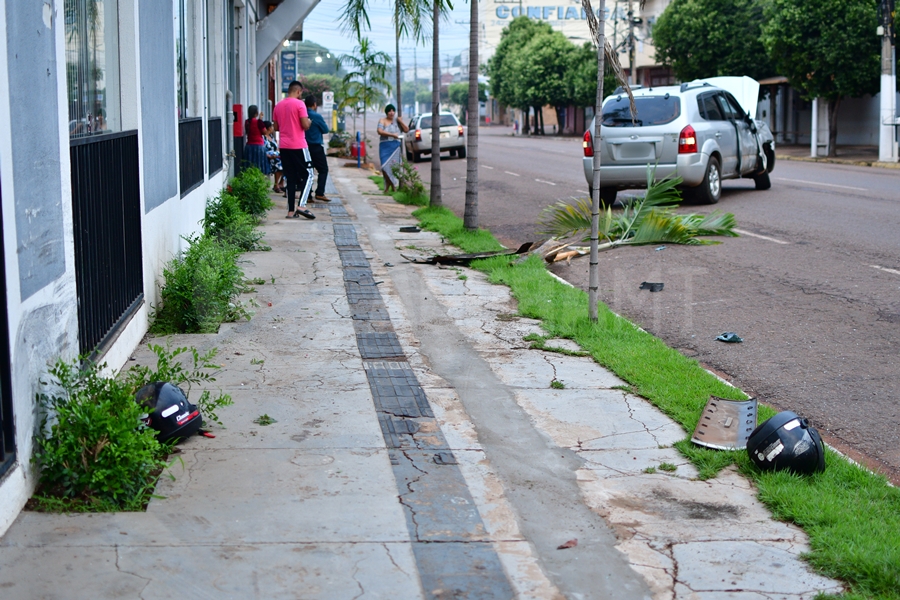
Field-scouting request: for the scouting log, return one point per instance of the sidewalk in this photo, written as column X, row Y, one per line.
column 864, row 156
column 418, row 452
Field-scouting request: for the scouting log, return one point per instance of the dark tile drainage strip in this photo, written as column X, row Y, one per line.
column 454, row 557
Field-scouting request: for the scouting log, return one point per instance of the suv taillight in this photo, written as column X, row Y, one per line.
column 459, row 130
column 418, row 135
column 687, row 141
column 588, row 144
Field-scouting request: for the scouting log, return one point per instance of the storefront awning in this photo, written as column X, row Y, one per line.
column 278, row 26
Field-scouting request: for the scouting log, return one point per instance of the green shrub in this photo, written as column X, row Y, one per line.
column 226, row 221
column 200, row 290
column 408, row 180
column 251, row 188
column 173, row 370
column 92, row 447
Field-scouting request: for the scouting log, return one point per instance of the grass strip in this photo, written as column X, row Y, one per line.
column 400, row 196
column 852, row 516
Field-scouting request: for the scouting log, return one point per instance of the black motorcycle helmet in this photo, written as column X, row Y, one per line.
column 786, row 441
column 169, row 411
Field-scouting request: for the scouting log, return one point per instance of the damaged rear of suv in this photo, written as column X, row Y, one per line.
column 698, row 131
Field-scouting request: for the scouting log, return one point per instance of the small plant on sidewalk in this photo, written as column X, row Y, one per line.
column 93, row 450
column 251, row 188
column 408, row 180
column 225, row 220
column 200, row 289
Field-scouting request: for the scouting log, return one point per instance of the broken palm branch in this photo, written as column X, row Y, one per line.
column 645, row 221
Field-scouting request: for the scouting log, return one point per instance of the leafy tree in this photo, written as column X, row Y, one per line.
column 316, row 84
column 315, row 59
column 458, row 93
column 710, row 38
column 581, row 77
column 826, row 48
column 365, row 79
column 501, row 66
column 539, row 70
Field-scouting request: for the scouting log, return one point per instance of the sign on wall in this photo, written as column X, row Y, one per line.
column 288, row 69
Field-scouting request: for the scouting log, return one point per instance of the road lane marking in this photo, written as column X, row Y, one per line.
column 487, row 167
column 543, row 181
column 762, row 237
column 834, row 185
column 511, row 173
column 894, row 271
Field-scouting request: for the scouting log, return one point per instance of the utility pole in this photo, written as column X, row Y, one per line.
column 890, row 123
column 416, row 79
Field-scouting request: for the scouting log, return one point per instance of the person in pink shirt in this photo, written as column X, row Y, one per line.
column 291, row 122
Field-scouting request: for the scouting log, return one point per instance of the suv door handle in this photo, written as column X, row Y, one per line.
column 718, row 134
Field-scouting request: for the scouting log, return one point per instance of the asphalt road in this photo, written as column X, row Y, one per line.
column 812, row 285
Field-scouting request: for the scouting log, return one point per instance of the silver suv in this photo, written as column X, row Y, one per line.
column 418, row 140
column 698, row 131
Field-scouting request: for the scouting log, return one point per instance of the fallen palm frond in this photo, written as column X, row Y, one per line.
column 645, row 221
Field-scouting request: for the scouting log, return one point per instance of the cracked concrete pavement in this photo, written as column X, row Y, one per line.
column 309, row 506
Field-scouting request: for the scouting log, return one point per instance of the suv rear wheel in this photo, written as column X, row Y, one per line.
column 710, row 189
column 461, row 153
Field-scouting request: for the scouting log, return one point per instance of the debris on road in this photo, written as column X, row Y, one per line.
column 570, row 544
column 653, row 287
column 730, row 337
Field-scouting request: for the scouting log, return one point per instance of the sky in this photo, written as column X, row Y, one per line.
column 322, row 26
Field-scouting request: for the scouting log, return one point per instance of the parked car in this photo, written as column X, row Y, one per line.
column 701, row 131
column 418, row 140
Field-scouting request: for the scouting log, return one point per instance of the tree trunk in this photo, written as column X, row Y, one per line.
column 473, row 119
column 594, row 268
column 436, row 108
column 833, row 106
column 397, row 58
column 526, row 120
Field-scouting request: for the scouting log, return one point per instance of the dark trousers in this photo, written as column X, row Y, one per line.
column 320, row 164
column 298, row 171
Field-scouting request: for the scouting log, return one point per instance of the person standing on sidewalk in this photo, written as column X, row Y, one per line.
column 316, row 142
column 292, row 121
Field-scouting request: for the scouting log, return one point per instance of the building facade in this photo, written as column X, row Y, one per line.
column 121, row 126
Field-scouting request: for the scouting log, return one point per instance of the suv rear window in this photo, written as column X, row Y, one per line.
column 446, row 121
column 651, row 110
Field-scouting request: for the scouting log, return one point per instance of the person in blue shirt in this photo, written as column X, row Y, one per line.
column 317, row 146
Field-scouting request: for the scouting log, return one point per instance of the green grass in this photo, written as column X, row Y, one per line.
column 402, row 197
column 851, row 515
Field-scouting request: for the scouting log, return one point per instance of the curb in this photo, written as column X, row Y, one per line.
column 840, row 161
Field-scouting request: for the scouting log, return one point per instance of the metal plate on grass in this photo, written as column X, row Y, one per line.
column 725, row 424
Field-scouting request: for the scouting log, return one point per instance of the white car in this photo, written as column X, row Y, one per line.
column 701, row 131
column 418, row 140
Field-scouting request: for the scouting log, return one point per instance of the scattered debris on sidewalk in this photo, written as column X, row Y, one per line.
column 570, row 544
column 653, row 287
column 464, row 259
column 787, row 442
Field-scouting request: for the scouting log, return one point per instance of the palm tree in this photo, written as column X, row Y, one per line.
column 407, row 19
column 470, row 216
column 435, row 195
column 365, row 77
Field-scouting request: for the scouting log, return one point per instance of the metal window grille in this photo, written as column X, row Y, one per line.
column 214, row 139
column 106, row 209
column 190, row 153
column 7, row 430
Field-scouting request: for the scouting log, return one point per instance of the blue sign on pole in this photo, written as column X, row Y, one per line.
column 288, row 69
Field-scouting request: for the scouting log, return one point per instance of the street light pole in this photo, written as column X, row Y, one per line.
column 888, row 127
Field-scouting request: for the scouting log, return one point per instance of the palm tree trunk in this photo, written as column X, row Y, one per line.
column 594, row 268
column 470, row 216
column 436, row 108
column 397, row 55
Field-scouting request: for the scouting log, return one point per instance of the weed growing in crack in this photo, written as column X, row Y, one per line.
column 623, row 388
column 669, row 467
column 257, row 361
column 557, row 385
column 264, row 420
column 650, row 470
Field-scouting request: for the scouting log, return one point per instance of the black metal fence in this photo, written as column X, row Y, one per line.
column 106, row 208
column 190, row 153
column 214, row 137
column 7, row 431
